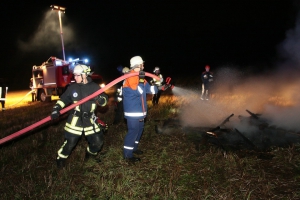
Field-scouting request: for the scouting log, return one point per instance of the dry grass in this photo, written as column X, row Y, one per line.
column 173, row 165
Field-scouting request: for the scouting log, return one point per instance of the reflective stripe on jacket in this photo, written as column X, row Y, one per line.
column 134, row 97
column 77, row 123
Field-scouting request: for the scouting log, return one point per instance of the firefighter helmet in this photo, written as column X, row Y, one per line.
column 125, row 70
column 82, row 69
column 136, row 60
column 207, row 67
column 156, row 69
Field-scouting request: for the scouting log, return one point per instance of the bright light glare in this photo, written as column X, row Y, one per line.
column 70, row 59
column 102, row 85
column 86, row 60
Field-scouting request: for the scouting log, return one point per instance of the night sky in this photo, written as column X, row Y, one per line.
column 181, row 37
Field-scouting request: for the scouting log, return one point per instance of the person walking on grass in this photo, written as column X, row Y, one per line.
column 81, row 119
column 135, row 89
column 207, row 78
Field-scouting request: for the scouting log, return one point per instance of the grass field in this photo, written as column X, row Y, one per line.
column 173, row 165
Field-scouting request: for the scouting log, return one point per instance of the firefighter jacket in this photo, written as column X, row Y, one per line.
column 206, row 77
column 80, row 118
column 119, row 93
column 159, row 82
column 134, row 97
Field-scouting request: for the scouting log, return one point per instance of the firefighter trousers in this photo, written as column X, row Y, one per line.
column 133, row 136
column 95, row 143
column 155, row 98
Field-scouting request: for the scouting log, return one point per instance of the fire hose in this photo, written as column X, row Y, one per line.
column 31, row 127
column 21, row 99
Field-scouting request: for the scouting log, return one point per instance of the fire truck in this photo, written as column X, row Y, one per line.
column 53, row 77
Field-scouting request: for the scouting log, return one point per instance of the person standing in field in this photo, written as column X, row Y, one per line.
column 3, row 92
column 81, row 120
column 119, row 98
column 158, row 84
column 207, row 78
column 135, row 89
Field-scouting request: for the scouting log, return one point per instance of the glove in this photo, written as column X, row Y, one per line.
column 101, row 99
column 102, row 125
column 142, row 76
column 55, row 112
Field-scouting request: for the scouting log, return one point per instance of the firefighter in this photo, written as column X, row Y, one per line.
column 119, row 98
column 3, row 92
column 81, row 119
column 207, row 78
column 158, row 84
column 135, row 89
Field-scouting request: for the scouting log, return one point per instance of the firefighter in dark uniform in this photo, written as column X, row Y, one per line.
column 207, row 78
column 3, row 92
column 158, row 84
column 82, row 117
column 119, row 98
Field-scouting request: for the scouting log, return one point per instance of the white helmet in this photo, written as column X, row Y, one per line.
column 125, row 70
column 82, row 69
column 156, row 69
column 136, row 60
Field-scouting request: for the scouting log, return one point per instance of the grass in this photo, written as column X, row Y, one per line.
column 173, row 165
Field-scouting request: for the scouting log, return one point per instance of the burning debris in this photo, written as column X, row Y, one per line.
column 250, row 132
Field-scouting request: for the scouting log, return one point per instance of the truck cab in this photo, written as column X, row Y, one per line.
column 52, row 78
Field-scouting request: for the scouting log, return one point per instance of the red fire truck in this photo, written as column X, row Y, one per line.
column 52, row 78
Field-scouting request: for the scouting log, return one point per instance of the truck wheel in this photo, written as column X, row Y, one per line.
column 42, row 96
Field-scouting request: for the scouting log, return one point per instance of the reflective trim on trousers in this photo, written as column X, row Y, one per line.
column 137, row 114
column 88, row 150
column 60, row 150
column 129, row 148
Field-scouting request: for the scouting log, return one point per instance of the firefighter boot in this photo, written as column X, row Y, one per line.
column 133, row 159
column 138, row 152
column 90, row 156
column 61, row 162
column 202, row 97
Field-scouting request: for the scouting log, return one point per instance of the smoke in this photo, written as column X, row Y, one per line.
column 290, row 47
column 274, row 93
column 47, row 36
column 274, row 96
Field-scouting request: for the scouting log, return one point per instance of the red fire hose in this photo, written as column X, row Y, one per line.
column 31, row 127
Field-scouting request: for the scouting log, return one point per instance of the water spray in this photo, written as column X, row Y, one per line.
column 31, row 127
